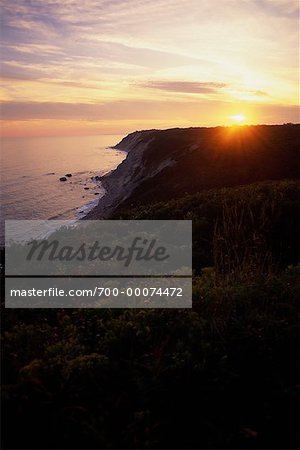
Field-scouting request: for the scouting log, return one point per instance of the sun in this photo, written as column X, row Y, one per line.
column 238, row 118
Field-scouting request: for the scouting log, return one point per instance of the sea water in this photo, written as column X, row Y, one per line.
column 31, row 169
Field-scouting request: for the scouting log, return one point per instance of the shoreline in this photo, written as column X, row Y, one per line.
column 120, row 182
column 104, row 205
column 86, row 211
column 36, row 193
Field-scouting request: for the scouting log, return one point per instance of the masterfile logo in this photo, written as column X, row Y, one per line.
column 139, row 249
column 102, row 247
column 99, row 264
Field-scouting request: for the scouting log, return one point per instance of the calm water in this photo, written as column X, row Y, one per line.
column 31, row 168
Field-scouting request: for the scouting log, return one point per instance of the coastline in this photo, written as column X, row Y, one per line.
column 32, row 190
column 119, row 183
column 163, row 164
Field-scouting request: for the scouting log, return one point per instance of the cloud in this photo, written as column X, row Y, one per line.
column 63, row 52
column 140, row 110
column 187, row 87
column 258, row 93
column 41, row 49
column 114, row 110
column 13, row 72
column 279, row 8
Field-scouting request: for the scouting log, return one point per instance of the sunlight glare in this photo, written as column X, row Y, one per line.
column 238, row 118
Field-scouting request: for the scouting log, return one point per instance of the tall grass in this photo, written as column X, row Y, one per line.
column 241, row 245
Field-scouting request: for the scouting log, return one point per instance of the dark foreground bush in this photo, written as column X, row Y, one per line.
column 222, row 375
column 252, row 228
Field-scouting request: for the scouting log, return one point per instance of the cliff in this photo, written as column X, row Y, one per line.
column 166, row 164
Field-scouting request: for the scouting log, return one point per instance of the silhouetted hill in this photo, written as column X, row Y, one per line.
column 163, row 164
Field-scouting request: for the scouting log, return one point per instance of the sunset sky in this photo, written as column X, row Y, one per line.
column 113, row 66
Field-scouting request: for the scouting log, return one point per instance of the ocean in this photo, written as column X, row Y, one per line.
column 31, row 168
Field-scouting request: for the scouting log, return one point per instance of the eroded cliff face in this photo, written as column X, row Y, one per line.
column 134, row 170
column 163, row 164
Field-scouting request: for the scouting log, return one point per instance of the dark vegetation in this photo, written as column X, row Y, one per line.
column 221, row 375
column 254, row 225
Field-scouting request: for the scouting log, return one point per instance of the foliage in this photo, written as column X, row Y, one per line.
column 220, row 375
column 255, row 227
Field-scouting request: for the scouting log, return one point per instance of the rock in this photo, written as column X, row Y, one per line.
column 86, row 188
column 62, row 179
column 96, row 193
column 68, row 175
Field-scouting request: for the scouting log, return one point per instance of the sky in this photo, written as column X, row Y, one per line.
column 84, row 67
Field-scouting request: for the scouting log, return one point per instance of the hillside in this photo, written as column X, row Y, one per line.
column 222, row 374
column 258, row 222
column 163, row 164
